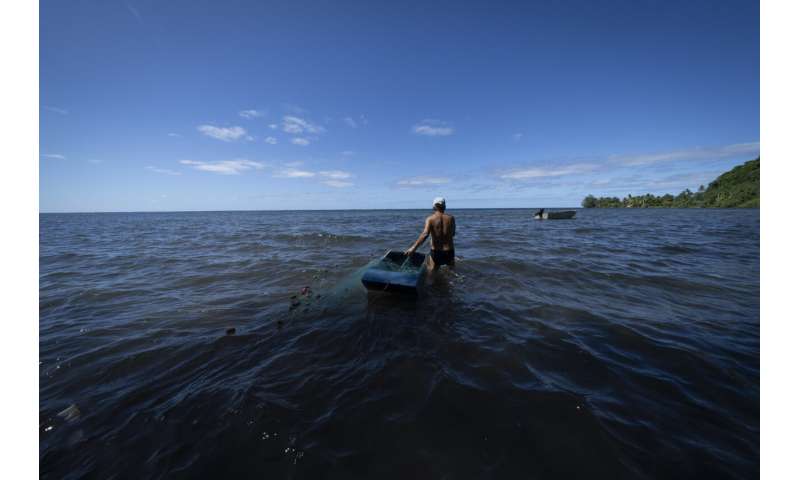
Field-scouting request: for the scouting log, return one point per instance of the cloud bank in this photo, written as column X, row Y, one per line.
column 297, row 125
column 422, row 181
column 433, row 128
column 60, row 111
column 251, row 114
column 163, row 171
column 226, row 134
column 293, row 173
column 225, row 167
column 699, row 153
column 555, row 171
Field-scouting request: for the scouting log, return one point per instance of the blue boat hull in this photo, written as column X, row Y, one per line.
column 396, row 273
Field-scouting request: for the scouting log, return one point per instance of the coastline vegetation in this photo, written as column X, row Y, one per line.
column 737, row 188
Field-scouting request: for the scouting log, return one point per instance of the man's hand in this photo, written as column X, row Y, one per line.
column 410, row 251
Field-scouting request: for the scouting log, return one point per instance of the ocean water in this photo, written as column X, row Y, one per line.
column 620, row 344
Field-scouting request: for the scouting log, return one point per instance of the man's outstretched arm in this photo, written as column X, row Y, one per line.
column 424, row 235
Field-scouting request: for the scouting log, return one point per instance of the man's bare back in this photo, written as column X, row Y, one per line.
column 441, row 227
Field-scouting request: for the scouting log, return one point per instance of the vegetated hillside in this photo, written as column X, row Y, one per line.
column 737, row 188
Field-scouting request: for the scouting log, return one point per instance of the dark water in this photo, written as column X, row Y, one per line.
column 621, row 344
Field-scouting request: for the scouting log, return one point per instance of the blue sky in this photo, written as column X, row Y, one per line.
column 152, row 105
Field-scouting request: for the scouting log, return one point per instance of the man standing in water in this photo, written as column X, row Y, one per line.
column 441, row 227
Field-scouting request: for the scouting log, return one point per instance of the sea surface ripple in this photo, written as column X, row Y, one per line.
column 620, row 344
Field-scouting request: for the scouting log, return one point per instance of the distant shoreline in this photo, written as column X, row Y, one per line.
column 736, row 188
column 661, row 207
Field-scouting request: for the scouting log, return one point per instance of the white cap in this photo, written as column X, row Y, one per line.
column 439, row 201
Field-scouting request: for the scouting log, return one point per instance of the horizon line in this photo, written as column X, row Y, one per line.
column 290, row 210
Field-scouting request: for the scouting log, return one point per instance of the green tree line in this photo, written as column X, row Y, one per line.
column 738, row 187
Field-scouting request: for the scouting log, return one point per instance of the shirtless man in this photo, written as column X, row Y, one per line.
column 441, row 227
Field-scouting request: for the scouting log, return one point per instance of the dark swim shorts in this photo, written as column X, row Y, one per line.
column 443, row 257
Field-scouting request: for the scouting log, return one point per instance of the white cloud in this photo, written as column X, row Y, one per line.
column 60, row 111
column 422, row 181
column 297, row 125
column 300, row 141
column 226, row 134
column 293, row 173
column 543, row 172
column 273, row 126
column 225, row 167
column 336, row 178
column 94, row 161
column 336, row 174
column 700, row 153
column 163, row 171
column 621, row 162
column 173, row 134
column 517, row 137
column 433, row 128
column 296, row 163
column 654, row 182
column 348, row 153
column 57, row 156
column 350, row 122
column 682, row 180
column 271, row 140
column 251, row 114
column 134, row 11
column 337, row 183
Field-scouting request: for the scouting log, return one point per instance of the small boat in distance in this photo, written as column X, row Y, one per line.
column 558, row 215
column 396, row 272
